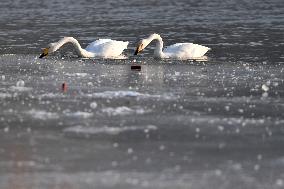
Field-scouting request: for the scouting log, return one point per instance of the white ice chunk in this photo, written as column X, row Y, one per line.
column 265, row 88
column 93, row 105
column 20, row 83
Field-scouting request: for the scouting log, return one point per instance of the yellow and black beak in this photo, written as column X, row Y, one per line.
column 44, row 53
column 139, row 48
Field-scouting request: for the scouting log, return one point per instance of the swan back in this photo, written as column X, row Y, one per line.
column 185, row 50
column 107, row 48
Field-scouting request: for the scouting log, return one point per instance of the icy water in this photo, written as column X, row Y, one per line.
column 172, row 125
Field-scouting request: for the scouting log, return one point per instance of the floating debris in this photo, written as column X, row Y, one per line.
column 136, row 67
column 64, row 87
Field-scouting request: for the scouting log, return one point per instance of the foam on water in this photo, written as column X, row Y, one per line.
column 113, row 95
column 20, row 89
column 77, row 74
column 123, row 94
column 51, row 95
column 167, row 179
column 79, row 114
column 117, row 94
column 123, row 110
column 42, row 115
column 243, row 99
column 107, row 130
column 6, row 95
column 212, row 120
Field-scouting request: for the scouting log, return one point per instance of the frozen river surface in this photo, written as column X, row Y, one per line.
column 172, row 125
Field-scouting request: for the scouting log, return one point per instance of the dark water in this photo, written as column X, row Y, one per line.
column 174, row 124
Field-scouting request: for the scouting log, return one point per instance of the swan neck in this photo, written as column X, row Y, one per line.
column 81, row 52
column 158, row 52
column 159, row 47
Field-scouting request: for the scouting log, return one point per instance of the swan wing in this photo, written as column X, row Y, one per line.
column 107, row 48
column 185, row 50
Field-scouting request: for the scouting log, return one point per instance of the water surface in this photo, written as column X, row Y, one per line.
column 174, row 124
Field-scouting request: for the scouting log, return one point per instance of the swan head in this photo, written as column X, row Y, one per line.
column 145, row 42
column 140, row 46
column 44, row 52
column 49, row 49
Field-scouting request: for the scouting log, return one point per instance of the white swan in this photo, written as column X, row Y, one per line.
column 176, row 51
column 104, row 48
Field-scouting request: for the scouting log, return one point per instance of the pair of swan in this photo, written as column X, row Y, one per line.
column 107, row 48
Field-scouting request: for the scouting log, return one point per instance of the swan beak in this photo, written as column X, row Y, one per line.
column 138, row 49
column 44, row 53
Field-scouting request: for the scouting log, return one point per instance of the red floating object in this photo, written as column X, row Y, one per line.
column 64, row 87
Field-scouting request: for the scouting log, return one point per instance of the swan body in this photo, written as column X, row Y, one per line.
column 176, row 51
column 104, row 48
